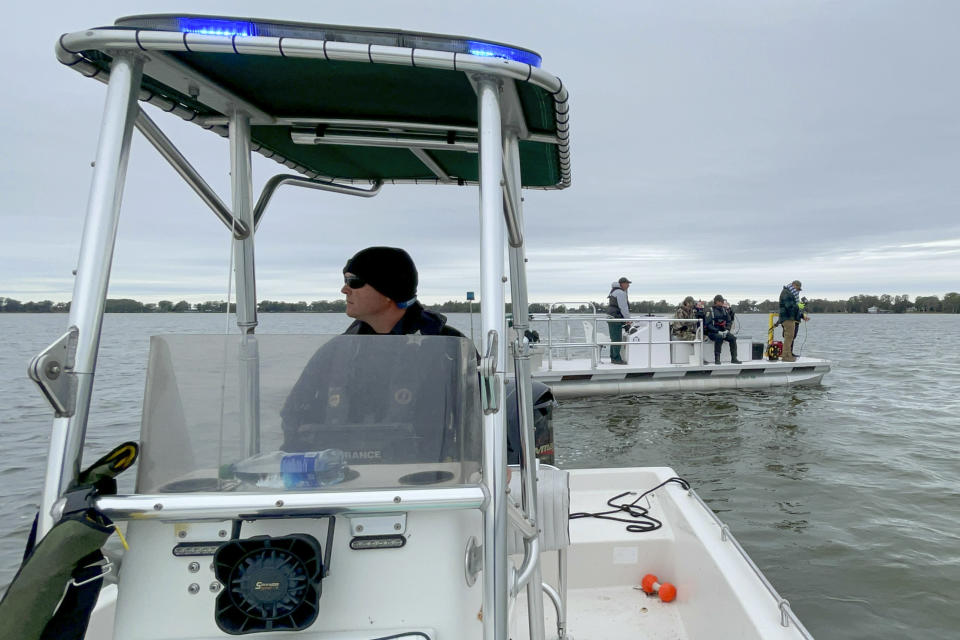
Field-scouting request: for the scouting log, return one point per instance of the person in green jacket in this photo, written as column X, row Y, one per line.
column 790, row 316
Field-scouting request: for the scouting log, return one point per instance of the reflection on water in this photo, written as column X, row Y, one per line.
column 847, row 495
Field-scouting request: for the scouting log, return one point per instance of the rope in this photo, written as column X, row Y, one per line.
column 640, row 520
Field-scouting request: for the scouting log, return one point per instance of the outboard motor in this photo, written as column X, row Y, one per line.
column 543, row 404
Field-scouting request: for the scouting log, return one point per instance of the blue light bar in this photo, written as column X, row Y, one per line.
column 229, row 26
column 490, row 50
column 213, row 27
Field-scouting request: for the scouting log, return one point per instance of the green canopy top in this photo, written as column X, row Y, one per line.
column 342, row 103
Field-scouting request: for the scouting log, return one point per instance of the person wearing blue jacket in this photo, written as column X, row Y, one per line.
column 719, row 328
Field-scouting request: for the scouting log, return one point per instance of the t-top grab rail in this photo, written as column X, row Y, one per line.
column 310, row 183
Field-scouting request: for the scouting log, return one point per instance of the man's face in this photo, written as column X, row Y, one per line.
column 364, row 302
column 624, row 285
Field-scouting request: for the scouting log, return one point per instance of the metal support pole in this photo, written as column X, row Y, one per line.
column 241, row 181
column 493, row 318
column 562, row 583
column 524, row 394
column 471, row 323
column 93, row 274
column 182, row 166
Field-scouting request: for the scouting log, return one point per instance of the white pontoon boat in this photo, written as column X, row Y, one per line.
column 404, row 522
column 572, row 357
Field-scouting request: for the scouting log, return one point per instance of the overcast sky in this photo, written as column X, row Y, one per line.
column 717, row 147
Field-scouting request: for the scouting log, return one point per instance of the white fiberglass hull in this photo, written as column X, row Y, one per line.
column 720, row 594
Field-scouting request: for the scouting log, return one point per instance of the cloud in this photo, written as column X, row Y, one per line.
column 725, row 147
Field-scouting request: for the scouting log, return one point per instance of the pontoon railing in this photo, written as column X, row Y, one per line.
column 594, row 356
column 593, row 342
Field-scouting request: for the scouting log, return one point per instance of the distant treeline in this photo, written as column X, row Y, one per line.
column 950, row 303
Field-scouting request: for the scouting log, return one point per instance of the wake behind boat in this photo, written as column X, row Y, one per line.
column 404, row 522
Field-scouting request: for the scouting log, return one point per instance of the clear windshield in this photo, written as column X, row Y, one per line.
column 287, row 412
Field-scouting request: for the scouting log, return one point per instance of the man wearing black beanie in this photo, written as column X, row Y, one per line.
column 380, row 284
column 348, row 380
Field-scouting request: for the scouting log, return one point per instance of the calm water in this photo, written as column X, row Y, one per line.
column 846, row 495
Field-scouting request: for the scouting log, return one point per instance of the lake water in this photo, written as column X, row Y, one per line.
column 846, row 495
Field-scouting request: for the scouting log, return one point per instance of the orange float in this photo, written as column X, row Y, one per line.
column 650, row 585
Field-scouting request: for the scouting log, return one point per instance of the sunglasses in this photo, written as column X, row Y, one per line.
column 354, row 282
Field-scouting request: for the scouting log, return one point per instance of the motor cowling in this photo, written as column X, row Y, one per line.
column 543, row 404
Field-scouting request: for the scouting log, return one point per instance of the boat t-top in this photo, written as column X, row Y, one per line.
column 406, row 518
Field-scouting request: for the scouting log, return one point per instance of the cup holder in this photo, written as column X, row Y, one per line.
column 426, row 477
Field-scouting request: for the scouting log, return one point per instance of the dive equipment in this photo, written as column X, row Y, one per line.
column 774, row 347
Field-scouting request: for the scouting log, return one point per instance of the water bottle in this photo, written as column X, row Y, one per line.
column 281, row 470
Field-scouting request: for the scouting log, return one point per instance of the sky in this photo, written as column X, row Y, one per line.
column 717, row 147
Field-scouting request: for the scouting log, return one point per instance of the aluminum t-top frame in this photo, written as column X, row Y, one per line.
column 498, row 134
column 155, row 48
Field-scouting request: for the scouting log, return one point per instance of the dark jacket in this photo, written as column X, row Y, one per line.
column 415, row 320
column 378, row 383
column 618, row 305
column 719, row 319
column 789, row 309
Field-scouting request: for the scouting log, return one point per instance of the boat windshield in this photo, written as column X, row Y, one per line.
column 303, row 413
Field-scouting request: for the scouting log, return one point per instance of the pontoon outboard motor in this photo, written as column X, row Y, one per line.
column 543, row 404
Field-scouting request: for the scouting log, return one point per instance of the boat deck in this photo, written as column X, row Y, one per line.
column 602, row 613
column 606, row 564
column 718, row 593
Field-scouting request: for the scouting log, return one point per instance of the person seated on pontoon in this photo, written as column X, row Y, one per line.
column 685, row 331
column 380, row 285
column 719, row 328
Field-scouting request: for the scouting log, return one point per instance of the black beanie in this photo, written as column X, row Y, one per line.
column 388, row 270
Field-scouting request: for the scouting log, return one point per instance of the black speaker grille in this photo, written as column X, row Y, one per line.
column 271, row 584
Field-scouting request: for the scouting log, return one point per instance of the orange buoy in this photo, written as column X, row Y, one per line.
column 647, row 583
column 666, row 591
